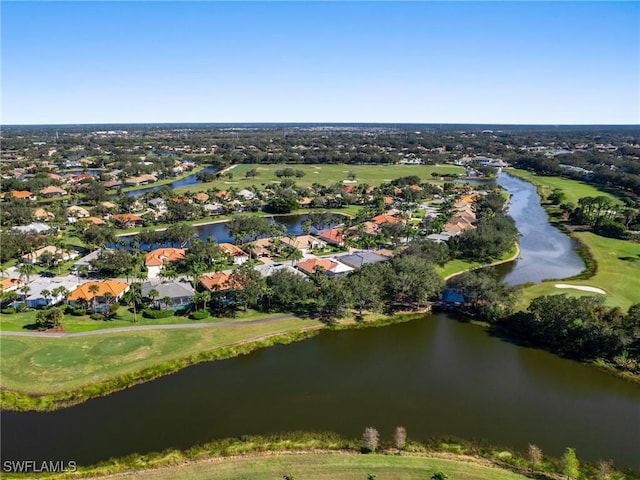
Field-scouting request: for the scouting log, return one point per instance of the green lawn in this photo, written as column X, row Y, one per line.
column 124, row 318
column 618, row 272
column 326, row 466
column 324, row 174
column 573, row 189
column 49, row 365
column 458, row 266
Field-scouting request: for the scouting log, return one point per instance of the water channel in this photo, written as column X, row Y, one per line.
column 437, row 375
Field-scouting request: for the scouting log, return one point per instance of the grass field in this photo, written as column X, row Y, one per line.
column 49, row 365
column 573, row 189
column 324, row 175
column 124, row 318
column 454, row 267
column 618, row 272
column 326, row 466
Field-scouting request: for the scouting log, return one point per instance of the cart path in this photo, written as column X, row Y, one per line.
column 176, row 326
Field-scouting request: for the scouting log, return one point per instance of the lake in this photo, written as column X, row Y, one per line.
column 437, row 375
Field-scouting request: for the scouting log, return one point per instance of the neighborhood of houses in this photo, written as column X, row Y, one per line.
column 178, row 292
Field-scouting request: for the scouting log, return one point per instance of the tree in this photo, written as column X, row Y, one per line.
column 25, row 270
column 166, row 301
column 570, row 464
column 46, row 294
column 49, row 318
column 133, row 297
column 180, row 233
column 534, row 456
column 400, row 437
column 371, row 438
column 94, row 289
column 153, row 294
column 25, row 289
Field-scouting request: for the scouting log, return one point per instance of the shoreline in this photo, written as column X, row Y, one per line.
column 21, row 401
column 492, row 264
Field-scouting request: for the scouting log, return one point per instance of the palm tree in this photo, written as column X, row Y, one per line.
column 153, row 293
column 25, row 270
column 166, row 300
column 94, row 289
column 133, row 297
column 25, row 289
column 108, row 298
column 60, row 292
column 294, row 254
column 46, row 294
column 206, row 298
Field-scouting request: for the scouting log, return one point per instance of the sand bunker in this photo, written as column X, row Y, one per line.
column 581, row 287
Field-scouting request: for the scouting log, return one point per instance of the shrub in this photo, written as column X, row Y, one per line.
column 97, row 316
column 199, row 315
column 155, row 314
column 114, row 308
column 9, row 311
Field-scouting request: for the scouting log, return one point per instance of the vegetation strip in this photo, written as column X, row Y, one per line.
column 311, row 456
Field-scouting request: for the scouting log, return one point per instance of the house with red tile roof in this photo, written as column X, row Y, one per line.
column 237, row 254
column 381, row 219
column 220, row 282
column 97, row 298
column 127, row 220
column 22, row 194
column 156, row 259
column 327, row 266
column 333, row 236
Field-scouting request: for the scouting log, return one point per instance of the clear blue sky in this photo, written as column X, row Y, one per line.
column 413, row 62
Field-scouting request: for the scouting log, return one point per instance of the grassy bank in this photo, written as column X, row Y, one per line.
column 319, row 456
column 615, row 263
column 617, row 267
column 41, row 373
column 574, row 190
column 44, row 373
column 323, row 174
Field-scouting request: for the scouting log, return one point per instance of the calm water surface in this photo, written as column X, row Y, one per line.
column 436, row 376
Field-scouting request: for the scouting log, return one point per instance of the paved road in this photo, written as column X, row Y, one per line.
column 177, row 326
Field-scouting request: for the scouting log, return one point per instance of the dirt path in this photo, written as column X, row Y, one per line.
column 176, row 326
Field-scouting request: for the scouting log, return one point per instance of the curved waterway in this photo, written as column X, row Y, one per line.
column 437, row 375
column 546, row 252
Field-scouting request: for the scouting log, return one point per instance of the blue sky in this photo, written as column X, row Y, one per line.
column 400, row 62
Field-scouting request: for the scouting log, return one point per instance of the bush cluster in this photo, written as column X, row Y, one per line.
column 155, row 314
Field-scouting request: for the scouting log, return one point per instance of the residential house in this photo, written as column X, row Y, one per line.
column 127, row 220
column 268, row 270
column 79, row 178
column 201, row 197
column 49, row 250
column 327, row 266
column 36, row 298
column 384, row 218
column 180, row 292
column 33, row 228
column 97, row 299
column 360, row 259
column 156, row 259
column 10, row 284
column 261, row 247
column 333, row 236
column 246, row 194
column 304, row 243
column 52, row 191
column 22, row 194
column 93, row 221
column 141, row 180
column 214, row 208
column 42, row 214
column 238, row 256
column 76, row 212
column 219, row 282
